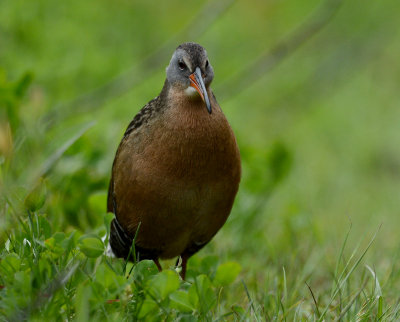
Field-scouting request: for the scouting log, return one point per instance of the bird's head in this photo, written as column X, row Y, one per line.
column 191, row 71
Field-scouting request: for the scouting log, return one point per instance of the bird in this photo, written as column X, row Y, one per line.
column 177, row 169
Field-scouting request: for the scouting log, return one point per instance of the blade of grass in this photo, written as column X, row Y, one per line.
column 132, row 250
column 377, row 286
column 349, row 273
column 315, row 301
column 52, row 159
column 45, row 295
column 284, row 297
column 341, row 253
column 250, row 300
column 348, row 306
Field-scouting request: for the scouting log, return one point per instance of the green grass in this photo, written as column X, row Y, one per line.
column 313, row 234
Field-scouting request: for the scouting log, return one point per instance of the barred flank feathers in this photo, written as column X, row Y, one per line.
column 121, row 243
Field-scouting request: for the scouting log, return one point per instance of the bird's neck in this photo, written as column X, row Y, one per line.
column 180, row 97
column 165, row 90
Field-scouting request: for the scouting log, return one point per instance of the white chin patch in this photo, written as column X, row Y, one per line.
column 191, row 91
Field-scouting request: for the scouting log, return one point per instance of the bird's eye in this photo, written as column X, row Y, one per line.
column 207, row 63
column 182, row 65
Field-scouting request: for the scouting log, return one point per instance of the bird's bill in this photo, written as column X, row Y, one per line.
column 197, row 82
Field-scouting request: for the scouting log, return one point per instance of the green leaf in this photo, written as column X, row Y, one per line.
column 109, row 279
column 92, row 246
column 180, row 301
column 201, row 265
column 143, row 270
column 226, row 273
column 10, row 264
column 108, row 217
column 44, row 226
column 148, row 306
column 70, row 242
column 193, row 296
column 54, row 243
column 208, row 265
column 201, row 294
column 97, row 202
column 164, row 283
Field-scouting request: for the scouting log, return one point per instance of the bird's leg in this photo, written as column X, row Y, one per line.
column 158, row 264
column 184, row 259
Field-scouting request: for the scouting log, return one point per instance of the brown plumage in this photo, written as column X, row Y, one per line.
column 177, row 168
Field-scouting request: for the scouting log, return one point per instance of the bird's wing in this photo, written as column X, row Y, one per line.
column 140, row 118
column 110, row 198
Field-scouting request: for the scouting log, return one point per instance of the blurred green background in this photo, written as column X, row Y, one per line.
column 317, row 125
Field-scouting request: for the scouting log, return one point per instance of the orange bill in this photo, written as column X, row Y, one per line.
column 197, row 82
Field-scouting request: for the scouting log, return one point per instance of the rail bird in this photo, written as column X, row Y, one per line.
column 177, row 169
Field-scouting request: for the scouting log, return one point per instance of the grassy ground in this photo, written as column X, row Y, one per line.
column 314, row 230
